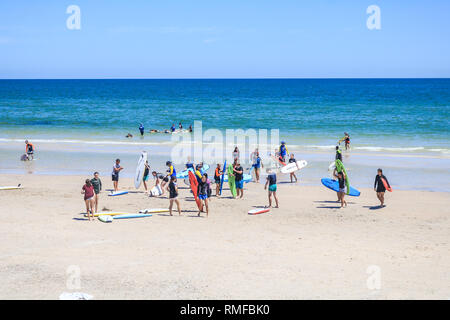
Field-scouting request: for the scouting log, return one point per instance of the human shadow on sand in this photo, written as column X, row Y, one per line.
column 324, row 207
column 373, row 207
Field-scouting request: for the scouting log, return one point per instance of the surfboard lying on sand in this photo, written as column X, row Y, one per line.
column 105, row 218
column 258, row 211
column 117, row 193
column 294, row 166
column 334, row 185
column 108, row 214
column 154, row 210
column 132, row 215
column 19, row 186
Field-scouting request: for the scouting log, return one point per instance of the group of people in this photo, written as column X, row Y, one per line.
column 172, row 129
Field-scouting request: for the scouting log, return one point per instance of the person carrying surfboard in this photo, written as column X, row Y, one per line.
column 173, row 195
column 380, row 185
column 338, row 154
column 146, row 174
column 115, row 174
column 340, row 176
column 271, row 181
column 292, row 174
column 29, row 150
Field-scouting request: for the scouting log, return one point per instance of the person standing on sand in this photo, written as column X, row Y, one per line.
column 338, row 154
column 379, row 187
column 239, row 179
column 340, row 176
column 283, row 151
column 97, row 184
column 203, row 191
column 257, row 164
column 236, row 153
column 292, row 174
column 173, row 195
column 146, row 175
column 217, row 176
column 272, row 183
column 115, row 174
column 88, row 191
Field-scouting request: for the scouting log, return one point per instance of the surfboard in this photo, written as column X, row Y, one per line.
column 184, row 174
column 245, row 177
column 154, row 210
column 294, row 166
column 194, row 187
column 140, row 169
column 105, row 218
column 117, row 193
column 340, row 168
column 332, row 166
column 19, row 186
column 334, row 185
column 156, row 191
column 222, row 179
column 132, row 215
column 385, row 184
column 231, row 180
column 258, row 211
column 106, row 213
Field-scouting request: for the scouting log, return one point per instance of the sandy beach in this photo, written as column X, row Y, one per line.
column 306, row 249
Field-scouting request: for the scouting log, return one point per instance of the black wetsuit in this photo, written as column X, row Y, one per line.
column 378, row 185
column 339, row 155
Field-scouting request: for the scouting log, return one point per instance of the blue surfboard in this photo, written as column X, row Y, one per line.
column 130, row 216
column 334, row 185
column 223, row 176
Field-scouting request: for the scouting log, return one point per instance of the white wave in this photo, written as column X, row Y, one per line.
column 96, row 142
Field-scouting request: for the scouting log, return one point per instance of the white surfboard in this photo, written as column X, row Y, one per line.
column 294, row 166
column 11, row 187
column 154, row 210
column 105, row 218
column 140, row 170
column 117, row 193
column 332, row 166
column 258, row 211
column 156, row 191
column 107, row 213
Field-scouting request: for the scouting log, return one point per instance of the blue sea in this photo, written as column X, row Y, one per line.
column 78, row 126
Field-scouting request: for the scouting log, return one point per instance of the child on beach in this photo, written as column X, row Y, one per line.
column 292, row 174
column 272, row 183
column 173, row 195
column 379, row 187
column 146, row 174
column 236, row 153
column 97, row 184
column 158, row 183
column 257, row 164
column 340, row 176
column 115, row 174
column 88, row 191
column 338, row 154
column 217, row 176
column 203, row 191
column 239, row 179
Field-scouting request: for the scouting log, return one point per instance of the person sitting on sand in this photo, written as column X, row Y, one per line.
column 217, row 176
column 292, row 174
column 88, row 191
column 203, row 191
column 146, row 174
column 158, row 184
column 272, row 183
column 340, row 176
column 173, row 195
column 29, row 150
column 115, row 174
column 97, row 184
column 379, row 187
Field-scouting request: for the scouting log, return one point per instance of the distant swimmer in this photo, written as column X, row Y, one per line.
column 380, row 184
column 141, row 129
column 283, row 151
column 153, row 131
column 172, row 128
column 129, row 135
column 180, row 126
column 338, row 154
column 346, row 139
column 29, row 150
column 190, row 128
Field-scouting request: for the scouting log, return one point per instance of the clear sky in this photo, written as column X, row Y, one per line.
column 224, row 39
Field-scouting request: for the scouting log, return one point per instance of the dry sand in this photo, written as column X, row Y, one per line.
column 306, row 249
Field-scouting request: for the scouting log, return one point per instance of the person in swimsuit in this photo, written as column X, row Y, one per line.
column 88, row 191
column 173, row 195
column 340, row 176
column 271, row 181
column 29, row 150
column 190, row 128
column 180, row 126
column 172, row 128
column 203, row 190
column 257, row 164
column 97, row 184
column 292, row 174
column 146, row 175
column 239, row 179
column 379, row 187
column 217, row 176
column 236, row 153
column 115, row 174
column 141, row 129
column 283, row 152
column 346, row 139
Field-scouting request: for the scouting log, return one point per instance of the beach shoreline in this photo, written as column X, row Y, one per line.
column 306, row 249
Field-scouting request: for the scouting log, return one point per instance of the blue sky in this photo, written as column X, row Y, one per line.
column 224, row 39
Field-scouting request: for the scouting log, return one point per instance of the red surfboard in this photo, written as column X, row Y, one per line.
column 258, row 211
column 386, row 185
column 194, row 187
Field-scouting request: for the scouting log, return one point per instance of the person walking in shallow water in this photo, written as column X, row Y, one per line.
column 379, row 186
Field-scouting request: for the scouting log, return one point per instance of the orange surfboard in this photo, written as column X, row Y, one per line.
column 194, row 187
column 386, row 185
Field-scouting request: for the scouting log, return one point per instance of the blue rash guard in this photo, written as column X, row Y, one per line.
column 282, row 150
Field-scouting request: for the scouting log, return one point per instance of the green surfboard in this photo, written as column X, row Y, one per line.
column 340, row 168
column 231, row 181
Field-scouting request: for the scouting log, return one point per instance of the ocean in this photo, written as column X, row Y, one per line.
column 79, row 126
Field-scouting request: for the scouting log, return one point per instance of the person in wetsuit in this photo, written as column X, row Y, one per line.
column 338, row 154
column 379, row 187
column 283, row 151
column 340, row 176
column 141, row 129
